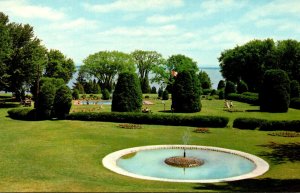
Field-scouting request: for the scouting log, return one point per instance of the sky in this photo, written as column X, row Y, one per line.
column 200, row 29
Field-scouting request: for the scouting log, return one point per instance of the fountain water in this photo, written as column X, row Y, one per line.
column 147, row 162
column 184, row 161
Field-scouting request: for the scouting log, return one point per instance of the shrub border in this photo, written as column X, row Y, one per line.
column 266, row 125
column 156, row 119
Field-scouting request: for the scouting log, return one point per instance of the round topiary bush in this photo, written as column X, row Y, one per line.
column 242, row 87
column 46, row 97
column 105, row 94
column 62, row 102
column 295, row 89
column 229, row 88
column 186, row 92
column 165, row 95
column 275, row 91
column 127, row 96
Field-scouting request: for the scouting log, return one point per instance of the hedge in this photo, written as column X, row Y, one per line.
column 295, row 103
column 247, row 123
column 22, row 113
column 281, row 125
column 156, row 119
column 245, row 98
column 266, row 125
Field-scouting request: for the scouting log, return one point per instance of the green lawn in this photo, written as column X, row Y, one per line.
column 66, row 155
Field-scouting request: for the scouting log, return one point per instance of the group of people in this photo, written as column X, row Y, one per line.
column 228, row 104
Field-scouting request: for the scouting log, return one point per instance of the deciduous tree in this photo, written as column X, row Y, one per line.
column 146, row 61
column 105, row 66
column 59, row 66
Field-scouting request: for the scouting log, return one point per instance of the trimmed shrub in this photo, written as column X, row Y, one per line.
column 266, row 125
column 95, row 88
column 213, row 92
column 295, row 103
column 46, row 97
column 247, row 123
column 62, row 102
column 250, row 99
column 160, row 92
column 145, row 86
column 165, row 95
column 206, row 91
column 186, row 93
column 105, row 94
column 281, row 126
column 229, row 88
column 242, row 87
column 221, row 85
column 221, row 94
column 275, row 92
column 127, row 96
column 153, row 90
column 295, row 89
column 146, row 118
column 75, row 94
column 22, row 114
column 253, row 94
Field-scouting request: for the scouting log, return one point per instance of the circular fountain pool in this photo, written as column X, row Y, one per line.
column 219, row 164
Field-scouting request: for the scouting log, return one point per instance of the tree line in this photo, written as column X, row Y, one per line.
column 24, row 61
column 249, row 62
column 102, row 68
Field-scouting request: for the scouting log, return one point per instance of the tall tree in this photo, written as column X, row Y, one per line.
column 245, row 62
column 288, row 58
column 27, row 59
column 146, row 61
column 5, row 50
column 105, row 65
column 204, row 79
column 167, row 70
column 59, row 66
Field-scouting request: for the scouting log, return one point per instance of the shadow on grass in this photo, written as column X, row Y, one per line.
column 282, row 152
column 4, row 97
column 252, row 110
column 166, row 111
column 9, row 105
column 254, row 185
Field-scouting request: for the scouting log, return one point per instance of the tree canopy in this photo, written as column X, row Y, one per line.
column 105, row 65
column 250, row 61
column 5, row 50
column 27, row 59
column 175, row 63
column 204, row 79
column 146, row 61
column 23, row 59
column 59, row 66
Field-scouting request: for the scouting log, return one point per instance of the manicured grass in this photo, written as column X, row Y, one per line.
column 66, row 155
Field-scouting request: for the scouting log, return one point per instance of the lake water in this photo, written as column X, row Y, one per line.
column 213, row 73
